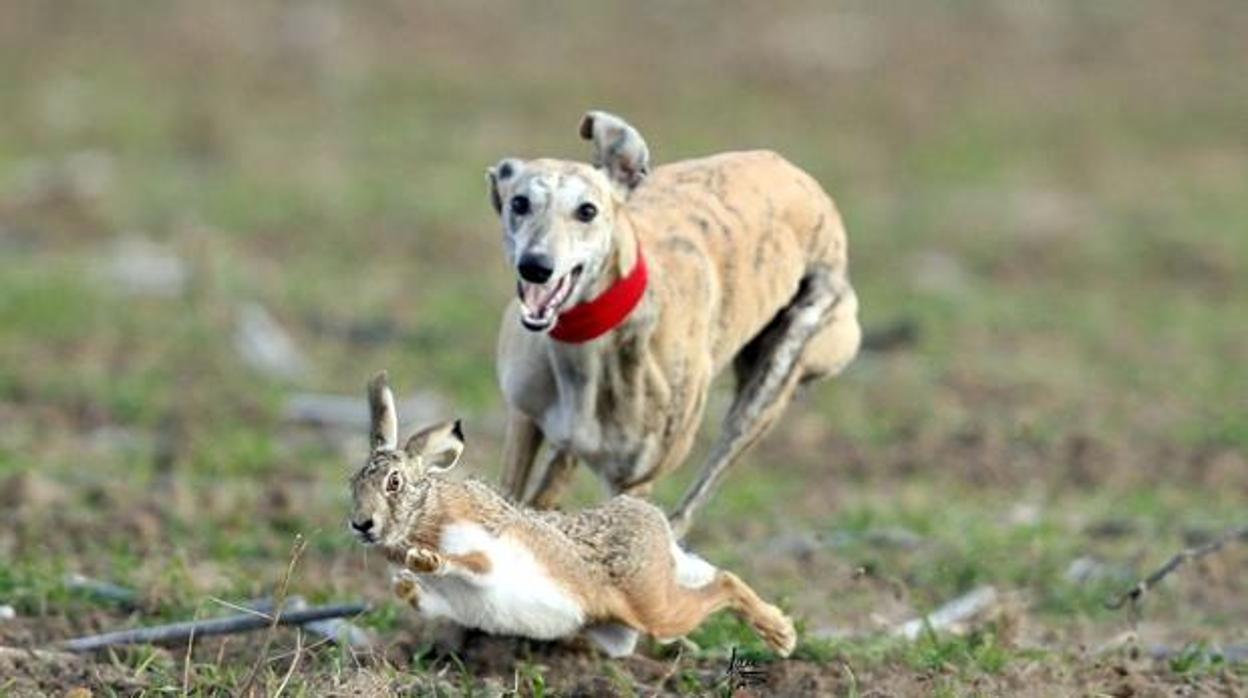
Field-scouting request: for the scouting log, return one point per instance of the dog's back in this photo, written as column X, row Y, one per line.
column 758, row 222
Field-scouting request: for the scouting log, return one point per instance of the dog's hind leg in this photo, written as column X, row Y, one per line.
column 836, row 344
column 768, row 371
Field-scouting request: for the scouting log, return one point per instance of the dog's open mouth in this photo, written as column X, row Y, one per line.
column 540, row 303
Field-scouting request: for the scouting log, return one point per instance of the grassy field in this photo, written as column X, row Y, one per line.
column 1048, row 199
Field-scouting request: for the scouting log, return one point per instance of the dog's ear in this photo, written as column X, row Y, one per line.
column 618, row 148
column 498, row 177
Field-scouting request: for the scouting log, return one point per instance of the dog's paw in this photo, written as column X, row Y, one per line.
column 423, row 561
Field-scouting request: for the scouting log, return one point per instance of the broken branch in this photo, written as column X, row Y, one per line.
column 179, row 632
column 1135, row 593
column 337, row 630
column 106, row 591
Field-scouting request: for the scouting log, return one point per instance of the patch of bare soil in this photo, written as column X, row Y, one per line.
column 499, row 665
column 27, row 672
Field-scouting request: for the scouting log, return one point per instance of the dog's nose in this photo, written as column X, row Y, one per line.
column 536, row 268
column 363, row 526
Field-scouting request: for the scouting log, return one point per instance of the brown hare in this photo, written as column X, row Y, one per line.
column 465, row 553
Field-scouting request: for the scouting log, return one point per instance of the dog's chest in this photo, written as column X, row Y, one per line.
column 517, row 596
column 604, row 411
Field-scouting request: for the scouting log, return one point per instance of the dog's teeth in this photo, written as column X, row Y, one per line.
column 537, row 302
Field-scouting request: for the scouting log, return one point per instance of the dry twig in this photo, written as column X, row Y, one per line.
column 107, row 591
column 336, row 630
column 186, row 662
column 1135, row 593
column 671, row 671
column 293, row 663
column 279, row 600
column 179, row 632
column 32, row 653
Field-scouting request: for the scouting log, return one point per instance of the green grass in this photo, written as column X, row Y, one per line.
column 977, row 653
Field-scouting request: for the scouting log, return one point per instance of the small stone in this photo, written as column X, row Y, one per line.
column 1084, row 569
column 142, row 267
column 265, row 345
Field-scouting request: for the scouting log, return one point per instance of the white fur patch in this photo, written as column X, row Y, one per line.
column 571, row 194
column 516, row 597
column 692, row 572
column 434, row 605
column 614, row 639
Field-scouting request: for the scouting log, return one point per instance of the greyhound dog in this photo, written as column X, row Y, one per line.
column 637, row 287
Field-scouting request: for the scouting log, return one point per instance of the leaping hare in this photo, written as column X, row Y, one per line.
column 467, row 554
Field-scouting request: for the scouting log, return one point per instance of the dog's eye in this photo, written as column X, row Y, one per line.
column 394, row 481
column 586, row 212
column 520, row 205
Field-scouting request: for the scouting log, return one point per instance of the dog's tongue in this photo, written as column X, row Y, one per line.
column 536, row 298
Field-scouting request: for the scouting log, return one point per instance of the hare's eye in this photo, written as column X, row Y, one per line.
column 520, row 205
column 393, row 482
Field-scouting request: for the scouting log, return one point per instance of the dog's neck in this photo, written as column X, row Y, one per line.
column 613, row 295
column 620, row 259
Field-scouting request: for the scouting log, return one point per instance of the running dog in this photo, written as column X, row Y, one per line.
column 637, row 287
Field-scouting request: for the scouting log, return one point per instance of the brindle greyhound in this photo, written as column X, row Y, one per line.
column 637, row 288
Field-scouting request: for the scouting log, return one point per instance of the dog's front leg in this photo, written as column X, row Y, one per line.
column 555, row 480
column 766, row 390
column 521, row 442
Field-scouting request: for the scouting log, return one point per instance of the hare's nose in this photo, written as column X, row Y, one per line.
column 363, row 526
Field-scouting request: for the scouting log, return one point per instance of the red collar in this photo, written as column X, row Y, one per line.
column 592, row 319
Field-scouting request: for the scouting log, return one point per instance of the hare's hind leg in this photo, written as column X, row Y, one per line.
column 686, row 607
column 769, row 622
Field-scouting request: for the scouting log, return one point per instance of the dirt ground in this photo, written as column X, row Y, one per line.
column 577, row 671
column 1011, row 648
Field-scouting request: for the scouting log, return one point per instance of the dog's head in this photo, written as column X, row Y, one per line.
column 559, row 216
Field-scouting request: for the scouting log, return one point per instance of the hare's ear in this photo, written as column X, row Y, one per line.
column 499, row 177
column 618, row 148
column 438, row 447
column 384, row 432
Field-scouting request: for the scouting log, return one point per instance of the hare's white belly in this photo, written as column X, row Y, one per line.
column 516, row 597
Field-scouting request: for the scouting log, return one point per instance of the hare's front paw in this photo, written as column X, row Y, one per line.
column 423, row 561
column 407, row 588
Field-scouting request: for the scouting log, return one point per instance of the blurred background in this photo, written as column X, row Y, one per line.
column 218, row 219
